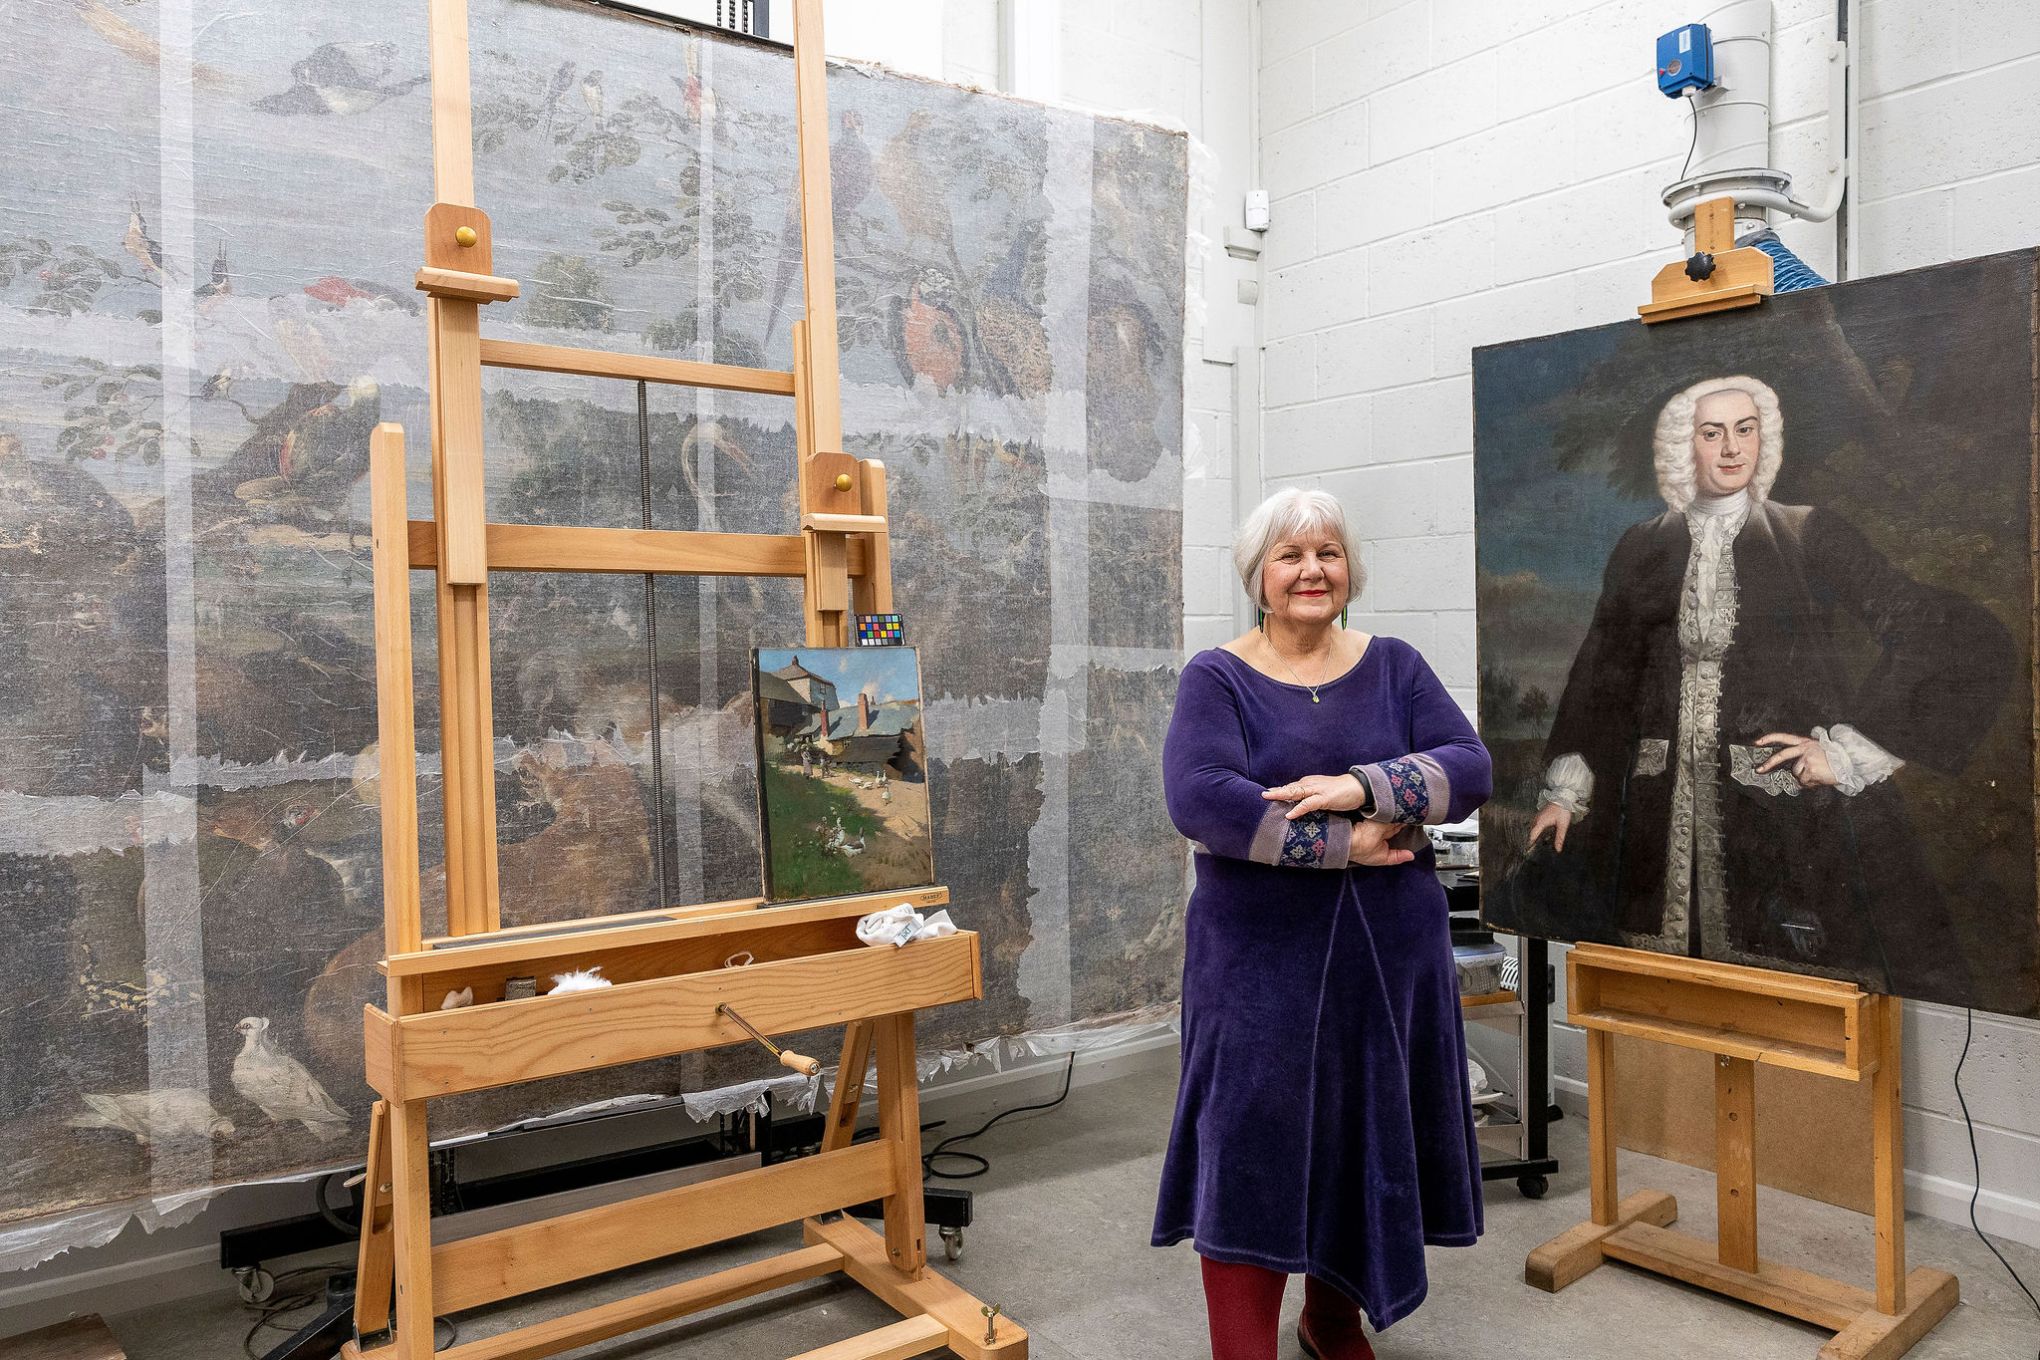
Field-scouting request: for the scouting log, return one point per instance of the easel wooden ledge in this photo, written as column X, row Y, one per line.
column 808, row 968
column 1745, row 1017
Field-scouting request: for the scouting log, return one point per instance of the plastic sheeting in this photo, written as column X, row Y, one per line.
column 195, row 340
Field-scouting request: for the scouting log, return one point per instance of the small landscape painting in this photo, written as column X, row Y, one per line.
column 843, row 771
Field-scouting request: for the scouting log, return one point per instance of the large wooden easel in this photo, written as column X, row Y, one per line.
column 673, row 992
column 1746, row 1018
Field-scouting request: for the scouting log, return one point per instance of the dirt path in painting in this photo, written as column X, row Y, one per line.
column 903, row 846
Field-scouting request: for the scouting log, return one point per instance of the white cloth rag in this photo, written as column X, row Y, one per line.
column 899, row 925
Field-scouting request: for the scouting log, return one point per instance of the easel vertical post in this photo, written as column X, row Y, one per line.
column 411, row 1214
column 849, row 1094
column 1887, row 1142
column 899, row 1127
column 396, row 722
column 453, row 134
column 1735, row 1160
column 1601, row 1126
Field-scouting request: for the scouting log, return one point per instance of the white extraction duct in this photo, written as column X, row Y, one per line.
column 1732, row 135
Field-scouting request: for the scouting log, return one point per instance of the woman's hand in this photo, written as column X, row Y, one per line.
column 1553, row 819
column 1370, row 845
column 1809, row 762
column 1319, row 793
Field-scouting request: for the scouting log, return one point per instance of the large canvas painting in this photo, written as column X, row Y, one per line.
column 206, row 257
column 1756, row 623
column 842, row 771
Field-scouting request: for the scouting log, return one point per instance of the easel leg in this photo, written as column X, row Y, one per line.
column 411, row 1217
column 849, row 1094
column 1578, row 1250
column 899, row 1125
column 1601, row 1125
column 1887, row 1144
column 1735, row 1160
column 377, row 1260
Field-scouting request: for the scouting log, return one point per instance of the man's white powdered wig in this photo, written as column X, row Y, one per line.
column 1673, row 442
column 1292, row 515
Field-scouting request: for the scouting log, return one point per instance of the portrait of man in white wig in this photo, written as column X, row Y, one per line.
column 1718, row 778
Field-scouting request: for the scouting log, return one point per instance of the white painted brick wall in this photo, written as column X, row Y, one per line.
column 1453, row 173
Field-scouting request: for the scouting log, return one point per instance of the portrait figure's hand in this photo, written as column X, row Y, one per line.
column 1370, row 845
column 1808, row 762
column 1318, row 793
column 1554, row 821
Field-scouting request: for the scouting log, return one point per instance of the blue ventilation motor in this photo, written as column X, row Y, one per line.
column 1685, row 61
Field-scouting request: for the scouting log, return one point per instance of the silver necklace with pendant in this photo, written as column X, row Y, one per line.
column 1292, row 673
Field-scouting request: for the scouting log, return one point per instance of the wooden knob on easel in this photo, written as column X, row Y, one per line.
column 799, row 1062
column 842, row 481
column 465, row 236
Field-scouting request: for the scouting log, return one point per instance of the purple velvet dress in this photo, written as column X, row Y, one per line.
column 1323, row 1124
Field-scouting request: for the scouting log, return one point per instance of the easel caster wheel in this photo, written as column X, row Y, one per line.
column 255, row 1284
column 952, row 1243
column 1533, row 1187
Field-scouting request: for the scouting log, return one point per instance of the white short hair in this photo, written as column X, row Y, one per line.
column 1673, row 442
column 1291, row 515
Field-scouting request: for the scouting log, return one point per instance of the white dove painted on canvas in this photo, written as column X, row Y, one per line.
column 177, row 1112
column 279, row 1085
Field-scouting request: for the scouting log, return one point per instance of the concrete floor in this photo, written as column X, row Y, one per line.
column 1061, row 1244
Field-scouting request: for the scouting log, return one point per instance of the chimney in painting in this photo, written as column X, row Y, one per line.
column 863, row 712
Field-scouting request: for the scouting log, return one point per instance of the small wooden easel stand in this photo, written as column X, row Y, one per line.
column 673, row 993
column 1744, row 1017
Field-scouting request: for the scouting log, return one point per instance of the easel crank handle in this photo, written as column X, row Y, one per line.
column 798, row 1062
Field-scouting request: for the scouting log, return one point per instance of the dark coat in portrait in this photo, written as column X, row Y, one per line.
column 1811, row 874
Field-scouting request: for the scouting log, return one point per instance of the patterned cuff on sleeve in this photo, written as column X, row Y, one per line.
column 1409, row 790
column 1320, row 840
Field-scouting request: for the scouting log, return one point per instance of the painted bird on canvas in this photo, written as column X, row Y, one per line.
column 281, row 1087
column 177, row 1112
column 341, row 78
column 222, row 281
column 927, row 333
column 318, row 458
column 142, row 246
column 1012, row 338
column 850, row 175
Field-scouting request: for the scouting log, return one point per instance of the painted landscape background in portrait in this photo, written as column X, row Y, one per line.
column 206, row 303
column 1909, row 414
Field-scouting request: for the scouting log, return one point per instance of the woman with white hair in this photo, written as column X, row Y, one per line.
column 1323, row 1126
column 1716, row 783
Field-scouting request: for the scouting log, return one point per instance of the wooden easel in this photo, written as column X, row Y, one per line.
column 1745, row 1017
column 673, row 993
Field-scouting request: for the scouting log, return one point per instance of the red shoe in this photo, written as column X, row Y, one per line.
column 1330, row 1328
column 1354, row 1347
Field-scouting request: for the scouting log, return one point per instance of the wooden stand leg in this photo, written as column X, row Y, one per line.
column 373, row 1274
column 1887, row 1151
column 1735, row 1160
column 1578, row 1250
column 411, row 1186
column 1601, row 1126
column 899, row 1125
column 843, row 1105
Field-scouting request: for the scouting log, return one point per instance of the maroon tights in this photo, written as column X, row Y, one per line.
column 1245, row 1307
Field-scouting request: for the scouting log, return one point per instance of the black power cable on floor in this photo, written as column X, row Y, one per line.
column 1976, row 1161
column 983, row 1164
